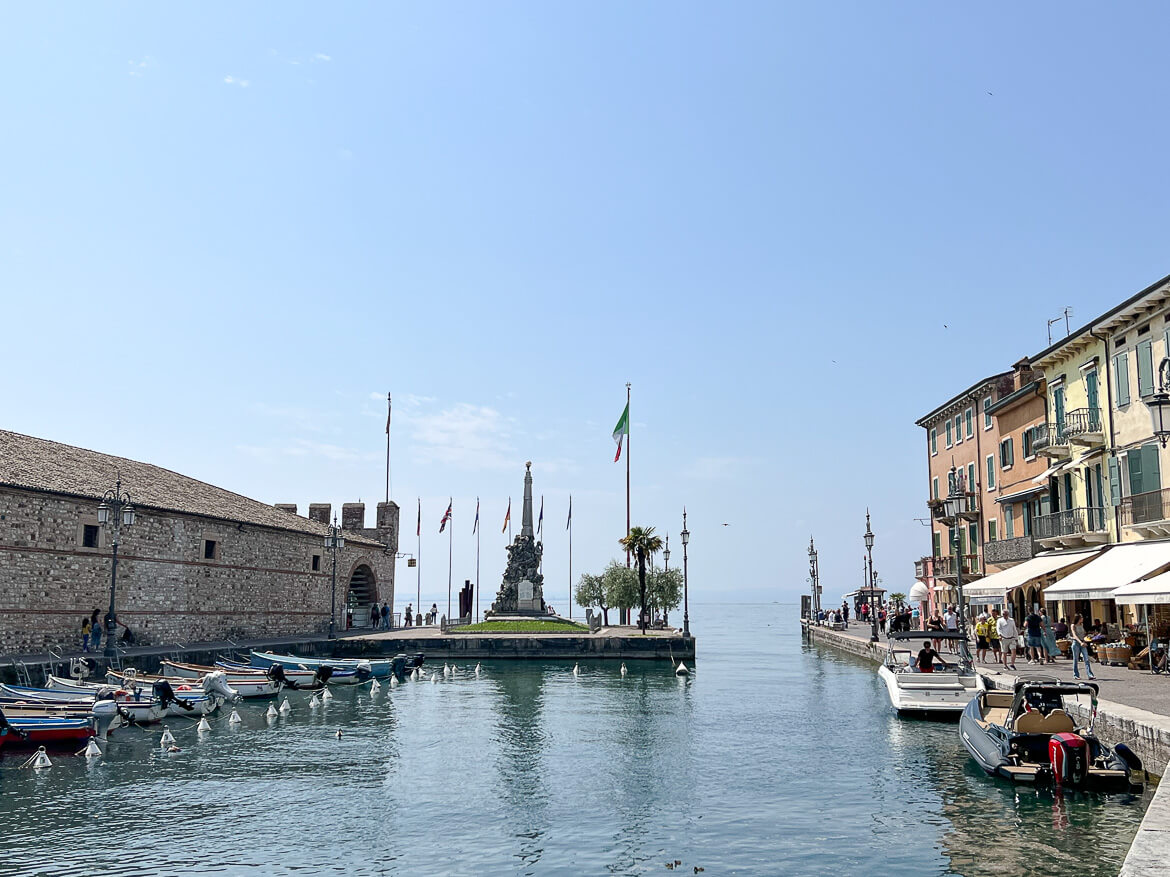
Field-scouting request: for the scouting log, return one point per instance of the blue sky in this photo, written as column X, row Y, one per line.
column 227, row 233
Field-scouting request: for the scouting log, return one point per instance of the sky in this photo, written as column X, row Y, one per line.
column 227, row 232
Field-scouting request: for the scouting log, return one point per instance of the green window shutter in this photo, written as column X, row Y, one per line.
column 1068, row 491
column 986, row 413
column 1091, row 389
column 1058, row 407
column 934, row 440
column 970, row 417
column 1121, row 369
column 971, row 477
column 1145, row 368
column 972, row 539
column 934, row 488
column 992, row 530
column 1114, row 481
column 1011, row 452
column 950, row 441
column 1151, row 469
column 1009, row 524
column 991, row 473
column 1134, row 460
column 937, row 544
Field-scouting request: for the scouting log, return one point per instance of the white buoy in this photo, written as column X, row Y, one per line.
column 326, row 694
column 167, row 740
column 41, row 759
column 576, row 670
column 92, row 750
column 393, row 681
column 272, row 713
column 285, row 708
column 434, row 679
column 624, row 670
column 416, row 675
column 477, row 669
column 204, row 725
column 682, row 670
column 446, row 670
column 375, row 686
column 234, row 718
column 314, row 702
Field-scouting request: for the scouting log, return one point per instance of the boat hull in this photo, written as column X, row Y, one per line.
column 938, row 695
column 48, row 732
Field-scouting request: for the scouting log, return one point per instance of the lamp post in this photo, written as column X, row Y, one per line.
column 334, row 542
column 873, row 638
column 685, row 535
column 115, row 512
column 665, row 569
column 954, row 505
column 1159, row 403
column 814, row 575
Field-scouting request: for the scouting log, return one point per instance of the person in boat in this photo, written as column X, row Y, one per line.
column 1080, row 648
column 927, row 655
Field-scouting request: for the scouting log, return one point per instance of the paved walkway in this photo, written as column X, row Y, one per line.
column 1136, row 688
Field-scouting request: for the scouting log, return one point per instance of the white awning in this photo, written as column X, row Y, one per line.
column 919, row 593
column 1155, row 590
column 1043, row 477
column 1118, row 566
column 994, row 588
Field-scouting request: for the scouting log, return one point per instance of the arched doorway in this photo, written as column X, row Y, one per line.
column 362, row 591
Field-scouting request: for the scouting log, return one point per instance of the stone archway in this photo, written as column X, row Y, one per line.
column 360, row 593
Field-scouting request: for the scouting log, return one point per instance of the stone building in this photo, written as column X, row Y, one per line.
column 199, row 563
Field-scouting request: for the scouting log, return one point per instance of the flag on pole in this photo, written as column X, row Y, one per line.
column 540, row 520
column 387, row 414
column 621, row 431
column 418, row 530
column 507, row 517
column 570, row 518
column 475, row 526
column 446, row 517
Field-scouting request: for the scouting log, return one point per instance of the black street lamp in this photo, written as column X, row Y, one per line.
column 115, row 512
column 873, row 638
column 1159, row 403
column 954, row 505
column 685, row 535
column 814, row 576
column 666, row 568
column 334, row 542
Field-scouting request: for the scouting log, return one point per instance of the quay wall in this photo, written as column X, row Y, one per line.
column 1147, row 733
column 526, row 647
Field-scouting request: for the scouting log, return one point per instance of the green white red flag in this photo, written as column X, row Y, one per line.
column 621, row 431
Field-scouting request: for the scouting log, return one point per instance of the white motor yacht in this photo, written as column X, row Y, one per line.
column 943, row 693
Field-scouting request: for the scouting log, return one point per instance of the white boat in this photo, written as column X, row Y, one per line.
column 198, row 699
column 236, row 674
column 139, row 708
column 944, row 693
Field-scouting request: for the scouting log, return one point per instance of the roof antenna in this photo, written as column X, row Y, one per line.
column 1065, row 314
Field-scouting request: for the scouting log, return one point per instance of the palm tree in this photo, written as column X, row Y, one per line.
column 643, row 542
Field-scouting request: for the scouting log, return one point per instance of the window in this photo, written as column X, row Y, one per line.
column 316, row 562
column 934, row 488
column 969, row 416
column 950, row 441
column 89, row 536
column 972, row 485
column 1009, row 524
column 958, row 428
column 991, row 471
column 972, row 546
column 1006, row 454
column 992, row 530
column 1121, row 369
column 1145, row 369
column 1027, row 439
column 987, row 413
column 936, row 542
column 210, row 549
column 934, row 441
column 1143, row 465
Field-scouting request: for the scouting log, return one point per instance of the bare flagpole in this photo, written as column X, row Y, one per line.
column 628, row 437
column 418, row 562
column 570, row 527
column 450, row 549
column 477, row 559
column 388, row 409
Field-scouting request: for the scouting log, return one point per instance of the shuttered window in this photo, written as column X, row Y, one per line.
column 933, row 440
column 991, row 471
column 1006, row 453
column 969, row 416
column 950, row 441
column 1145, row 369
column 987, row 413
column 1121, row 370
column 1009, row 523
column 992, row 530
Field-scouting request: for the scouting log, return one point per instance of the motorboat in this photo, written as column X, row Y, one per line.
column 105, row 702
column 1029, row 735
column 941, row 693
column 380, row 668
column 243, row 673
column 190, row 701
column 24, row 732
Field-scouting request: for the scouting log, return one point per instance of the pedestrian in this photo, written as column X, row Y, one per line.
column 95, row 631
column 1034, row 637
column 915, row 617
column 935, row 625
column 385, row 615
column 1051, row 649
column 409, row 615
column 993, row 636
column 1009, row 635
column 882, row 619
column 1080, row 648
column 845, row 613
column 434, row 614
column 348, row 617
column 374, row 616
column 85, row 629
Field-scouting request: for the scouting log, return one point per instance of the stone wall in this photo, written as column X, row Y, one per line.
column 257, row 582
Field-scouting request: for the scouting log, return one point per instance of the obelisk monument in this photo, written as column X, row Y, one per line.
column 522, row 590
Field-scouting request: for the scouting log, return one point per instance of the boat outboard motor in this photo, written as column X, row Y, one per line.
column 276, row 674
column 166, row 696
column 416, row 660
column 323, row 674
column 398, row 667
column 6, row 728
column 1069, row 755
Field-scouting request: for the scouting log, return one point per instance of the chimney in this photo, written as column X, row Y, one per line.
column 290, row 507
column 388, row 524
column 319, row 512
column 353, row 516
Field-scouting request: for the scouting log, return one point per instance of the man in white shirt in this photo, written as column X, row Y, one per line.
column 1009, row 639
column 951, row 620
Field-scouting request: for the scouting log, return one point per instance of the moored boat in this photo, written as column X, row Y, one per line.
column 236, row 673
column 135, row 707
column 24, row 732
column 936, row 694
column 380, row 668
column 1029, row 735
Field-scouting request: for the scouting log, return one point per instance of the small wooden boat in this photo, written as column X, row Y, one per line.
column 380, row 668
column 25, row 732
column 103, row 713
column 241, row 675
column 938, row 694
column 134, row 707
column 190, row 702
column 1029, row 735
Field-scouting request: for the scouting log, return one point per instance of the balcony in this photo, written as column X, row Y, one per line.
column 945, row 567
column 1008, row 552
column 1071, row 528
column 1083, row 427
column 1148, row 513
column 970, row 510
column 1051, row 441
column 922, row 568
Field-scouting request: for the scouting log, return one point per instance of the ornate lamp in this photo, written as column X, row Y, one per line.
column 1159, row 404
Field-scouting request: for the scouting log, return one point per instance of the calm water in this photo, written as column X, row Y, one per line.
column 776, row 758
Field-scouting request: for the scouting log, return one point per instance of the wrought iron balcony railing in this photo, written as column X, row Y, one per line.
column 1048, row 437
column 1144, row 508
column 1082, row 422
column 1069, row 522
column 944, row 567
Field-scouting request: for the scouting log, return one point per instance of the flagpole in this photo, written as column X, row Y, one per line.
column 388, row 409
column 629, row 436
column 477, row 560
column 570, row 557
column 418, row 563
column 450, row 548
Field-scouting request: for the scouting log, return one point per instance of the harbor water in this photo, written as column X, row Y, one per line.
column 776, row 757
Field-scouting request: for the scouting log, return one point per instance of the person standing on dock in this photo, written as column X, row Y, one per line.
column 951, row 620
column 1008, row 636
column 845, row 613
column 993, row 636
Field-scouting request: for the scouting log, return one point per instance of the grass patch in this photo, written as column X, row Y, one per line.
column 537, row 625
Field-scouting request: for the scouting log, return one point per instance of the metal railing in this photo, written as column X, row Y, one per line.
column 1081, row 421
column 1009, row 550
column 944, row 567
column 1142, row 508
column 1046, row 436
column 1069, row 522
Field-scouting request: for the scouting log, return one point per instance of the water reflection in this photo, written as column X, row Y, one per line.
column 520, row 756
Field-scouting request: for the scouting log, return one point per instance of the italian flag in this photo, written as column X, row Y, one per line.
column 621, row 430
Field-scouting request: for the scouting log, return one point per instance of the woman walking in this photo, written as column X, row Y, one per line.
column 1080, row 648
column 85, row 629
column 1051, row 649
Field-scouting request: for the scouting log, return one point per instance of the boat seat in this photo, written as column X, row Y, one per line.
column 1056, row 722
column 996, row 716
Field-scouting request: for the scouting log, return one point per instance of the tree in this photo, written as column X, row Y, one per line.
column 591, row 591
column 664, row 589
column 897, row 599
column 621, row 585
column 643, row 543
